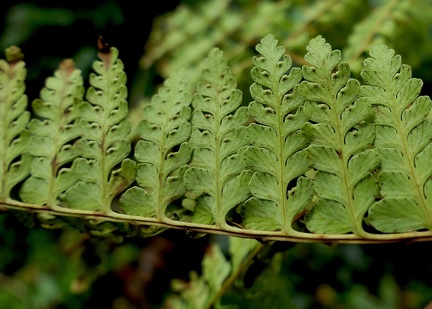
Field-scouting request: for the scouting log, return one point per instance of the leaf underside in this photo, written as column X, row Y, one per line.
column 104, row 170
column 340, row 143
column 162, row 151
column 403, row 141
column 316, row 156
column 51, row 144
column 218, row 175
column 14, row 136
column 277, row 154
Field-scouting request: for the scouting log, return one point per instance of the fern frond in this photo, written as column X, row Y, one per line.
column 105, row 140
column 304, row 154
column 218, row 172
column 340, row 143
column 253, row 25
column 394, row 23
column 173, row 31
column 162, row 152
column 367, row 32
column 52, row 136
column 218, row 274
column 184, row 37
column 404, row 135
column 277, row 155
column 326, row 17
column 187, row 35
column 14, row 137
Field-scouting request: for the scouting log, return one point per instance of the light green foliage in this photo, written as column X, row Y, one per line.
column 341, row 139
column 391, row 22
column 184, row 36
column 314, row 156
column 105, row 138
column 327, row 17
column 52, row 135
column 277, row 155
column 218, row 133
column 218, row 274
column 14, row 160
column 404, row 142
column 190, row 24
column 162, row 152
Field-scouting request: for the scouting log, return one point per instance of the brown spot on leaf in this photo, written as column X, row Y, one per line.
column 104, row 51
column 66, row 67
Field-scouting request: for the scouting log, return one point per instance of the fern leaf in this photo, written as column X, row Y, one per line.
column 404, row 143
column 14, row 137
column 52, row 135
column 105, row 140
column 162, row 152
column 277, row 155
column 217, row 136
column 340, row 143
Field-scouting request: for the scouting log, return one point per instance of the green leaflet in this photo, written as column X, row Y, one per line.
column 340, row 139
column 217, row 174
column 277, row 156
column 162, row 152
column 404, row 143
column 105, row 141
column 52, row 136
column 14, row 159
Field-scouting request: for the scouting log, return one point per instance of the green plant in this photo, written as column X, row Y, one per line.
column 314, row 157
column 184, row 37
column 326, row 152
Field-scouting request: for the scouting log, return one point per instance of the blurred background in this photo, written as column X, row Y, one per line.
column 41, row 269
